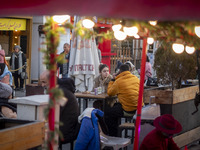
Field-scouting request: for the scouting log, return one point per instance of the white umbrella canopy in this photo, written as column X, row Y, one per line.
column 84, row 61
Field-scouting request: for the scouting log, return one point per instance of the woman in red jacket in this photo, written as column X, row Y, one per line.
column 161, row 137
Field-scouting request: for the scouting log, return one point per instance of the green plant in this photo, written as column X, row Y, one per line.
column 172, row 68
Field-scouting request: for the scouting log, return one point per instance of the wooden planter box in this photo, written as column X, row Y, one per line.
column 179, row 103
column 20, row 134
column 168, row 96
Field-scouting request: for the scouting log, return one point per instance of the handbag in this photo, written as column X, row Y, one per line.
column 152, row 82
column 24, row 75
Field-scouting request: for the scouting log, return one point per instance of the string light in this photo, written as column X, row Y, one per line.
column 197, row 31
column 130, row 31
column 189, row 50
column 61, row 18
column 87, row 23
column 153, row 23
column 116, row 27
column 119, row 35
column 150, row 40
column 178, row 48
column 136, row 36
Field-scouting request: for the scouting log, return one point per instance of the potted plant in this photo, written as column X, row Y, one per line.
column 172, row 68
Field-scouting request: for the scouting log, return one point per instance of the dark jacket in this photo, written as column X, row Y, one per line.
column 70, row 112
column 16, row 61
column 67, row 63
column 156, row 141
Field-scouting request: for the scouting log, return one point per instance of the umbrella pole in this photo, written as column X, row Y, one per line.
column 139, row 107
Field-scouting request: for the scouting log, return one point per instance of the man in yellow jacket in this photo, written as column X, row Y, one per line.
column 126, row 87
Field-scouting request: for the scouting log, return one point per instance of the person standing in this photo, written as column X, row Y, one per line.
column 161, row 137
column 17, row 61
column 64, row 68
column 126, row 87
column 148, row 69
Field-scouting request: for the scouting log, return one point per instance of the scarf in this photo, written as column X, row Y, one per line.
column 19, row 56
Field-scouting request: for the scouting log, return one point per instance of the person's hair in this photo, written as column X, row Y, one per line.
column 45, row 75
column 102, row 66
column 147, row 59
column 66, row 44
column 5, row 62
column 124, row 67
column 129, row 65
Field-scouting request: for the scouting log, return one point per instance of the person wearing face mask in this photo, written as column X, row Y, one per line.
column 17, row 61
column 5, row 74
column 161, row 137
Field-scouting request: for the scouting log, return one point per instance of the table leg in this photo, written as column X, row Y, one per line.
column 79, row 103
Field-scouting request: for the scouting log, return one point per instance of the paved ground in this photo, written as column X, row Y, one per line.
column 193, row 146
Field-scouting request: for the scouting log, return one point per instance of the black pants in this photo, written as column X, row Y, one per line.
column 111, row 118
column 17, row 77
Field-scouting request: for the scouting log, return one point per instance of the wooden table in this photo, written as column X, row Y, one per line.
column 87, row 97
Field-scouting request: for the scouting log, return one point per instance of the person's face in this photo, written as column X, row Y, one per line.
column 16, row 50
column 44, row 82
column 66, row 48
column 105, row 72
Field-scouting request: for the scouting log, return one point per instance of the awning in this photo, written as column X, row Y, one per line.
column 134, row 9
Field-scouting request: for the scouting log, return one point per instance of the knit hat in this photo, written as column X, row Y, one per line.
column 167, row 124
column 2, row 55
column 17, row 46
column 5, row 90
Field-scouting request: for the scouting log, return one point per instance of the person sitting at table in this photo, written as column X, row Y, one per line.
column 161, row 137
column 132, row 69
column 102, row 81
column 126, row 86
column 104, row 78
column 70, row 111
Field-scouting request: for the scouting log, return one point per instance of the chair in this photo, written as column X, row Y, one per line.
column 115, row 142
column 109, row 141
column 126, row 126
column 71, row 145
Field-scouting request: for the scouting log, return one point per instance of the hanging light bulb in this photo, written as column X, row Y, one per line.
column 197, row 31
column 116, row 27
column 150, row 40
column 87, row 23
column 130, row 31
column 119, row 35
column 136, row 36
column 60, row 18
column 189, row 50
column 153, row 23
column 178, row 48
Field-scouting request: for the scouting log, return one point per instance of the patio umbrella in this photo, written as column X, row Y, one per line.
column 84, row 62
